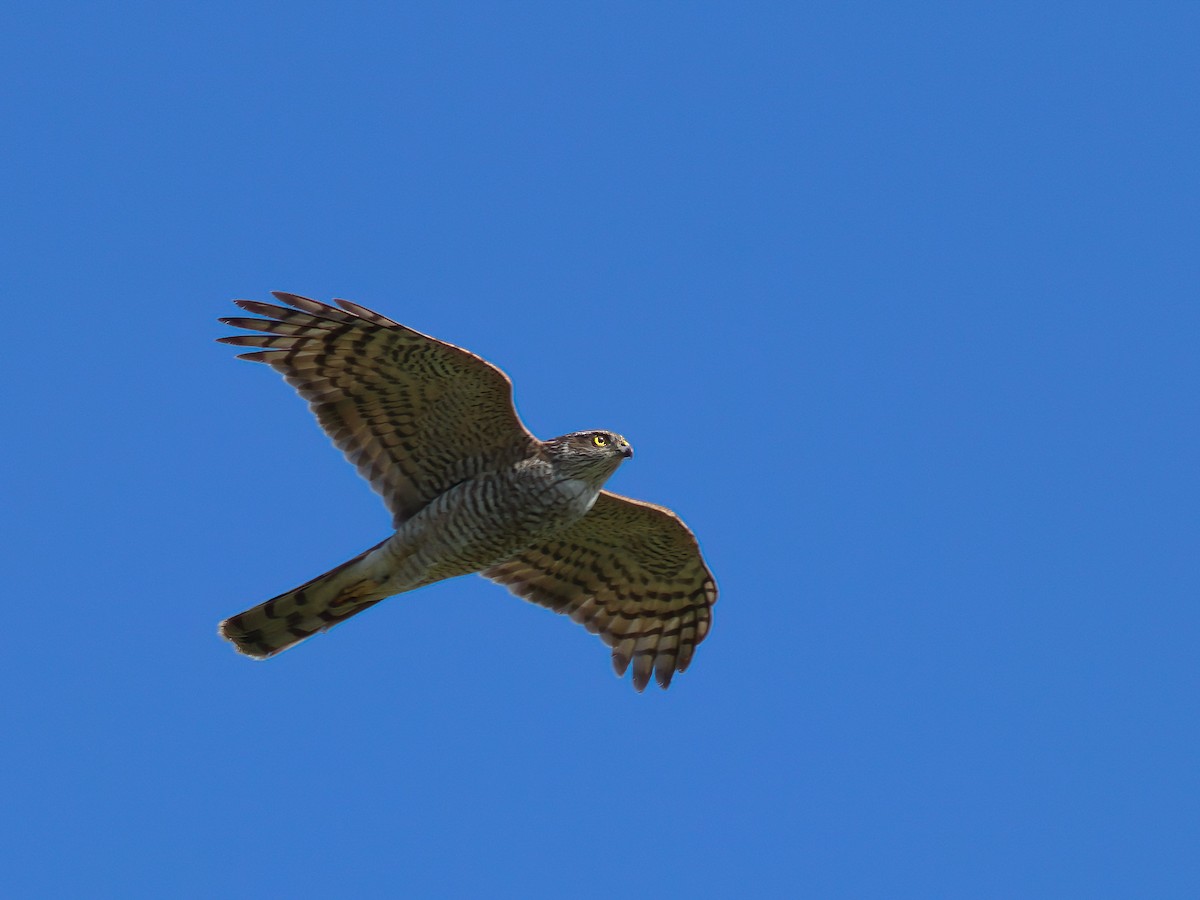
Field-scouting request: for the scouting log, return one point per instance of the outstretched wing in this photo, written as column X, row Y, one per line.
column 630, row 572
column 414, row 414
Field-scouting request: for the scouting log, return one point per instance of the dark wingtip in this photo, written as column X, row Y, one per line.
column 620, row 662
column 663, row 675
column 357, row 309
column 642, row 670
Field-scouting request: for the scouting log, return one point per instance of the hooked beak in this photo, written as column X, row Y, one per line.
column 626, row 450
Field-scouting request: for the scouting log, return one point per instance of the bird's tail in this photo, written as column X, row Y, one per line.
column 286, row 620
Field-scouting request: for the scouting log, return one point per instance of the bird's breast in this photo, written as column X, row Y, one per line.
column 573, row 497
column 490, row 518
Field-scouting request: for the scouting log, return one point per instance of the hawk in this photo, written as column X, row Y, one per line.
column 433, row 428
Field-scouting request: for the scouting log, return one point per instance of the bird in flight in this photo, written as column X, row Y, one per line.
column 433, row 428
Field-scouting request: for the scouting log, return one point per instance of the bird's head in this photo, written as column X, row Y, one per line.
column 590, row 455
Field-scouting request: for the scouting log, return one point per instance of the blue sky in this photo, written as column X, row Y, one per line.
column 897, row 303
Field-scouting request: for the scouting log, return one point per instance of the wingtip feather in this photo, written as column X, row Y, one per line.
column 363, row 313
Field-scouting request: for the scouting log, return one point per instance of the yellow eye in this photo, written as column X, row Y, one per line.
column 599, row 440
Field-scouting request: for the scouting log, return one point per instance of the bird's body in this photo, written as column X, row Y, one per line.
column 488, row 519
column 490, row 499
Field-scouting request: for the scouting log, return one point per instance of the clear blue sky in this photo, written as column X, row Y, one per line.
column 898, row 304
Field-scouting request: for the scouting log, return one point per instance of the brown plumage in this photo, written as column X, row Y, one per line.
column 432, row 427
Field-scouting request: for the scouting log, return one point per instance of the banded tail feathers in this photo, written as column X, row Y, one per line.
column 315, row 606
